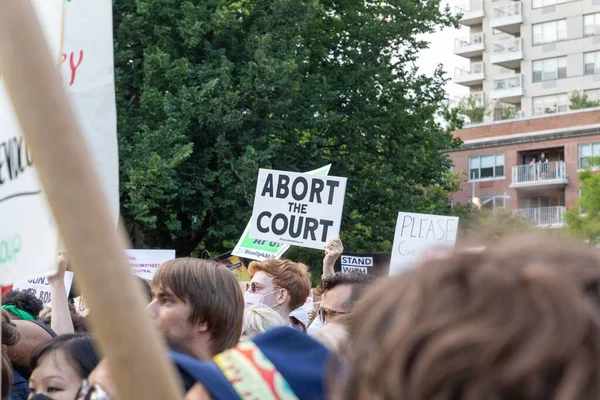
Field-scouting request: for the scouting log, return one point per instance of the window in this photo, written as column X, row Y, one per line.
column 586, row 151
column 550, row 104
column 546, row 3
column 549, row 32
column 482, row 167
column 591, row 63
column 592, row 94
column 492, row 202
column 591, row 24
column 550, row 69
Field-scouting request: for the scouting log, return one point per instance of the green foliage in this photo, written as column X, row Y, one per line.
column 587, row 225
column 473, row 109
column 508, row 111
column 210, row 91
column 579, row 101
column 486, row 226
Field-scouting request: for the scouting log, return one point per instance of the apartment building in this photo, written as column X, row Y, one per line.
column 532, row 54
column 500, row 163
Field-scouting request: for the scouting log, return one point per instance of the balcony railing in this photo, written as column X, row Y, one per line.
column 507, row 46
column 473, row 69
column 510, row 82
column 506, row 9
column 469, row 7
column 473, row 40
column 540, row 173
column 543, row 216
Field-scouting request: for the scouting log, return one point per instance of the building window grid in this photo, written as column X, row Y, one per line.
column 591, row 63
column 485, row 167
column 546, row 3
column 549, row 69
column 591, row 24
column 551, row 104
column 549, row 32
column 587, row 150
column 592, row 94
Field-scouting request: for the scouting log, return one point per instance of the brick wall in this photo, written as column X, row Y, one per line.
column 530, row 125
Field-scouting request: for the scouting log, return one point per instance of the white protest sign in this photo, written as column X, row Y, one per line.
column 28, row 236
column 261, row 250
column 416, row 233
column 88, row 77
column 145, row 262
column 300, row 209
column 356, row 264
column 40, row 287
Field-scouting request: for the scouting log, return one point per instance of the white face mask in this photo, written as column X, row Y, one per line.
column 255, row 298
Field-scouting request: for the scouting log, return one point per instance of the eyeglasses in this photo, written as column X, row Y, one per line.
column 92, row 392
column 323, row 312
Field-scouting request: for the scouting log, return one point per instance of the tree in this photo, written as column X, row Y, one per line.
column 579, row 101
column 210, row 91
column 473, row 109
column 583, row 220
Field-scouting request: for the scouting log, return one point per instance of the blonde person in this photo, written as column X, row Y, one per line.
column 259, row 318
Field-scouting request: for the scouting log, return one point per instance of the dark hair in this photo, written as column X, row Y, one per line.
column 10, row 337
column 23, row 300
column 79, row 325
column 147, row 288
column 358, row 280
column 78, row 348
column 213, row 294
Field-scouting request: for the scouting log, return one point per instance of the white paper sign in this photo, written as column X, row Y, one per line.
column 145, row 262
column 28, row 236
column 356, row 264
column 299, row 209
column 40, row 287
column 87, row 69
column 416, row 233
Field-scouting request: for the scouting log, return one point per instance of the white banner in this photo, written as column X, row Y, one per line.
column 416, row 233
column 40, row 287
column 300, row 209
column 28, row 237
column 144, row 263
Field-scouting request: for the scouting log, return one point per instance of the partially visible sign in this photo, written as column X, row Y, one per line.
column 237, row 265
column 300, row 209
column 376, row 264
column 144, row 263
column 260, row 250
column 40, row 287
column 417, row 233
column 29, row 238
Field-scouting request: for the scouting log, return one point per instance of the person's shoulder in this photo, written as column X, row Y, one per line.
column 34, row 328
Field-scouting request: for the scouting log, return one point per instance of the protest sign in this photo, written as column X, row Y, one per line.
column 262, row 249
column 29, row 238
column 87, row 69
column 40, row 287
column 144, row 263
column 300, row 209
column 416, row 233
column 237, row 265
column 376, row 264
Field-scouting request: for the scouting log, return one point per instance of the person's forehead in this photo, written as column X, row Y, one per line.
column 335, row 298
column 262, row 278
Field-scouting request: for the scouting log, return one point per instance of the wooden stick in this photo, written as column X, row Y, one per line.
column 135, row 352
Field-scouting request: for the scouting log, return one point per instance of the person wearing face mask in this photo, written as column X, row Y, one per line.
column 59, row 367
column 282, row 285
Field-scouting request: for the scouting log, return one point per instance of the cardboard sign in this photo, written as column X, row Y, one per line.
column 261, row 250
column 145, row 262
column 300, row 209
column 416, row 233
column 40, row 287
column 237, row 265
column 87, row 70
column 28, row 238
column 376, row 264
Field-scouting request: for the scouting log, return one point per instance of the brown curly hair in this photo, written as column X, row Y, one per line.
column 10, row 337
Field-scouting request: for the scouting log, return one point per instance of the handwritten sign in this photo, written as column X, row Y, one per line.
column 416, row 233
column 40, row 287
column 145, row 262
column 28, row 238
column 261, row 250
column 300, row 209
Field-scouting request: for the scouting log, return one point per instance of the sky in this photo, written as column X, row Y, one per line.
column 441, row 51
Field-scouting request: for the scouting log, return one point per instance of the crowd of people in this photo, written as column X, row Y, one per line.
column 505, row 322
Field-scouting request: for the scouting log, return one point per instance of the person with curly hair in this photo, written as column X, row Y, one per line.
column 22, row 304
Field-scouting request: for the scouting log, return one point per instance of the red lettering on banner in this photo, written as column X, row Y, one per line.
column 72, row 64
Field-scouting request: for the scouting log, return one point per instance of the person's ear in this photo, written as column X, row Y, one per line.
column 202, row 327
column 283, row 296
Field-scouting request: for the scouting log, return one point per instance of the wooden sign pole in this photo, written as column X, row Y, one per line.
column 136, row 355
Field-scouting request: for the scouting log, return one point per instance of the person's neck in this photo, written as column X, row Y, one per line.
column 201, row 348
column 283, row 312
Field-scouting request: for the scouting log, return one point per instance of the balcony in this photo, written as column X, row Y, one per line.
column 471, row 46
column 543, row 217
column 540, row 174
column 469, row 76
column 471, row 12
column 507, row 16
column 508, row 88
column 508, row 52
